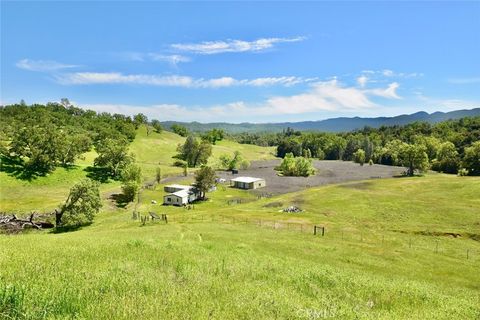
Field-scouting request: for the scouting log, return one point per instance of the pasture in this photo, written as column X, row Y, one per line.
column 378, row 259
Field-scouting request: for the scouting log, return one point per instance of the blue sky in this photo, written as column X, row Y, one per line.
column 250, row 61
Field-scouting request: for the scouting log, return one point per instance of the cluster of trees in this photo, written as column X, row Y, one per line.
column 43, row 137
column 237, row 161
column 296, row 166
column 57, row 134
column 213, row 136
column 193, row 152
column 180, row 130
column 446, row 146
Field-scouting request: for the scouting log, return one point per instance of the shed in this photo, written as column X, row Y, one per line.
column 180, row 198
column 248, row 183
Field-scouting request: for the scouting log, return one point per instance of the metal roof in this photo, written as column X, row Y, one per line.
column 179, row 186
column 181, row 194
column 247, row 179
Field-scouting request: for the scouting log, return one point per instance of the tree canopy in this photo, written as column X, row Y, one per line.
column 82, row 204
column 193, row 152
column 296, row 166
column 204, row 180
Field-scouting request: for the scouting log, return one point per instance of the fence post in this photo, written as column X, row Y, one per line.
column 323, row 231
column 314, row 230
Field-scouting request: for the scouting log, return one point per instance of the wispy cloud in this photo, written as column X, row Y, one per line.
column 390, row 92
column 464, row 80
column 215, row 47
column 85, row 78
column 391, row 74
column 173, row 59
column 43, row 65
column 325, row 96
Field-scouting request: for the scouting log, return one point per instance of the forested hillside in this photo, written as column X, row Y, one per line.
column 328, row 125
column 446, row 146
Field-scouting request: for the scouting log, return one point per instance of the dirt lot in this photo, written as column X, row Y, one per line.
column 328, row 172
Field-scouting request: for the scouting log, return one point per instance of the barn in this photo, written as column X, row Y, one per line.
column 248, row 183
column 179, row 195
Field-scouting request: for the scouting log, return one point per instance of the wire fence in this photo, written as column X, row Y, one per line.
column 445, row 244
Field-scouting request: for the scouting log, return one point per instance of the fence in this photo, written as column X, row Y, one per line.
column 393, row 240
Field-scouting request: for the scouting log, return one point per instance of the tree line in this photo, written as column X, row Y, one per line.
column 450, row 146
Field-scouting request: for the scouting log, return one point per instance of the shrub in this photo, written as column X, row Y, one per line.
column 298, row 167
column 359, row 156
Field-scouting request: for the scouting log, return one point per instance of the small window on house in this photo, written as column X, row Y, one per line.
column 169, row 199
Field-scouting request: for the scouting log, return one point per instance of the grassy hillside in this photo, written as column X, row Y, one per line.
column 385, row 255
column 157, row 149
column 45, row 193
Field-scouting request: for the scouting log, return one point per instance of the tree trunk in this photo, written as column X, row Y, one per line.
column 58, row 218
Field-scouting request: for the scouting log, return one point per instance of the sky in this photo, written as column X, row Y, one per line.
column 243, row 61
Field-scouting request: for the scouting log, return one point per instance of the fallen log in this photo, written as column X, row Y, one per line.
column 12, row 224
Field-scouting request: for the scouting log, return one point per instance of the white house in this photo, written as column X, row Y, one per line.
column 248, row 183
column 179, row 195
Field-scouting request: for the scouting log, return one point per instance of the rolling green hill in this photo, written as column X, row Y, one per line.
column 387, row 253
column 158, row 149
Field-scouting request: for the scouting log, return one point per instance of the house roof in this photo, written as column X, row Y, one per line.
column 181, row 194
column 247, row 179
column 179, row 186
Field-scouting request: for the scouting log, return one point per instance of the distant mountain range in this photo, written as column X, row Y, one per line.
column 329, row 125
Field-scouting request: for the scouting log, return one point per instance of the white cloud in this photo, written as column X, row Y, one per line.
column 390, row 92
column 330, row 96
column 173, row 59
column 42, row 65
column 362, row 81
column 84, row 78
column 215, row 47
column 387, row 73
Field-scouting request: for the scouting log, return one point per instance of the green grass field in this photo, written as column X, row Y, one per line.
column 400, row 248
column 156, row 149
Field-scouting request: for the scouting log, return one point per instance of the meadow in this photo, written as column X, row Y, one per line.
column 399, row 248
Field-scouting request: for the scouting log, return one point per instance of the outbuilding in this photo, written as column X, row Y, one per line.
column 179, row 195
column 248, row 183
column 171, row 188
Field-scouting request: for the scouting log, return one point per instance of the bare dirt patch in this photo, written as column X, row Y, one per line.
column 328, row 172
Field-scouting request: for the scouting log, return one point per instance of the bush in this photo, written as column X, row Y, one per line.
column 298, row 167
column 370, row 162
column 359, row 156
column 180, row 163
column 462, row 172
